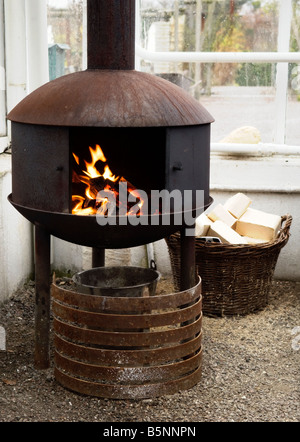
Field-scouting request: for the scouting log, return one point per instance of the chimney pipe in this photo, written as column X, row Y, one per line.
column 111, row 34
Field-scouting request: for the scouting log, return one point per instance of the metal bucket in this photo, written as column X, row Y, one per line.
column 127, row 347
column 117, row 281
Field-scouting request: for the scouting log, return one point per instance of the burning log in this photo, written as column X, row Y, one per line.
column 97, row 185
column 94, row 192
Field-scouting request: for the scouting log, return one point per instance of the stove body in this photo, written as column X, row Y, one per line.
column 151, row 131
column 152, row 158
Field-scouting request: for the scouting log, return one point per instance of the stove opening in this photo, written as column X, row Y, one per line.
column 115, row 169
column 95, row 189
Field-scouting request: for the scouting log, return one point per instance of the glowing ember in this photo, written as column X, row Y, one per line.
column 101, row 192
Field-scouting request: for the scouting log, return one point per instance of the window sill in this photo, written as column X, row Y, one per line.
column 262, row 174
column 259, row 149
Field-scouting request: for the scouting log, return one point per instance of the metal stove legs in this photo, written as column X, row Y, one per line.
column 42, row 297
column 187, row 259
column 98, row 257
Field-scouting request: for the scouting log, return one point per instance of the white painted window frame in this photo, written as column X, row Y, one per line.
column 282, row 57
column 23, row 55
column 3, row 126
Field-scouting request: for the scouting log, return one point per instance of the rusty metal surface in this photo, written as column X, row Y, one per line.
column 103, row 321
column 84, row 230
column 130, row 391
column 150, row 373
column 120, row 354
column 121, row 281
column 117, row 339
column 110, row 98
column 100, row 303
column 126, row 358
column 111, row 34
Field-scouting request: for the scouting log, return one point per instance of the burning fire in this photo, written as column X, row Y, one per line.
column 101, row 189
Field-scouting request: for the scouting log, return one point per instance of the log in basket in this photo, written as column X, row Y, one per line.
column 236, row 279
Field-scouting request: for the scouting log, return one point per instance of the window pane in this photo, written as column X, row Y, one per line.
column 293, row 106
column 236, row 94
column 208, row 25
column 248, row 99
column 65, row 32
column 293, row 103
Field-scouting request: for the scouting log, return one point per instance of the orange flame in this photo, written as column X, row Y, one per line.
column 98, row 204
column 77, row 210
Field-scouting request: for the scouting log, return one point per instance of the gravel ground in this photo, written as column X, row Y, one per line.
column 251, row 372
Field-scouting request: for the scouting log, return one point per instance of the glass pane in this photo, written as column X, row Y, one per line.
column 293, row 106
column 65, row 32
column 208, row 25
column 293, row 103
column 295, row 34
column 240, row 95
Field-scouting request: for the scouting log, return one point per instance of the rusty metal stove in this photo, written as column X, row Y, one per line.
column 157, row 124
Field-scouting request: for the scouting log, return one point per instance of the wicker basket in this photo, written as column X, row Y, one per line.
column 236, row 279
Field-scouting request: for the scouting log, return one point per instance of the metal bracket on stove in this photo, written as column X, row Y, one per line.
column 150, row 257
